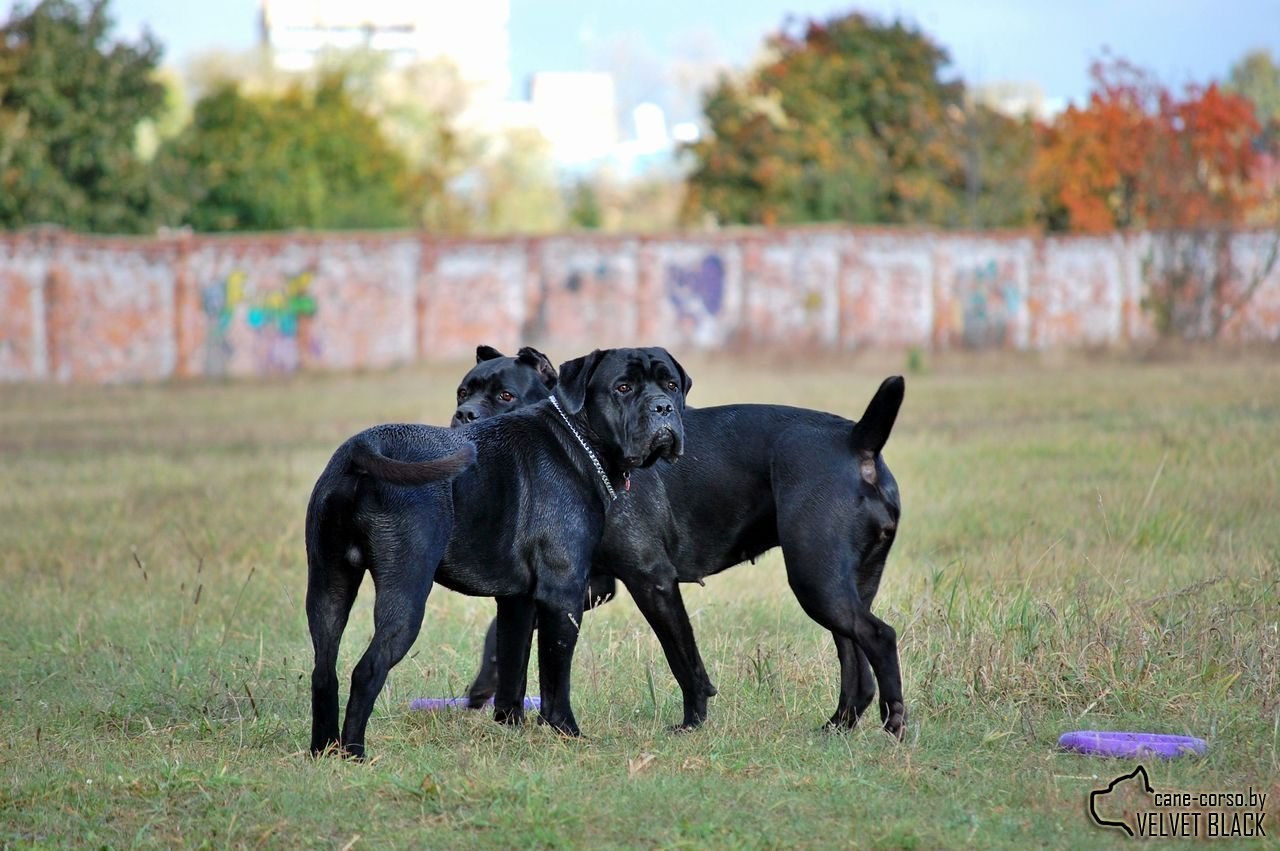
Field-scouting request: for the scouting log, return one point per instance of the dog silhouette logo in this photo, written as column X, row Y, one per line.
column 1126, row 796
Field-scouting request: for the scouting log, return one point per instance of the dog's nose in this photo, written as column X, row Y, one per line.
column 662, row 408
column 464, row 415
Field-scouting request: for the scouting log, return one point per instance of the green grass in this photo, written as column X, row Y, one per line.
column 1085, row 544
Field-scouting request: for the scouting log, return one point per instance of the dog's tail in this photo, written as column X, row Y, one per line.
column 872, row 431
column 365, row 458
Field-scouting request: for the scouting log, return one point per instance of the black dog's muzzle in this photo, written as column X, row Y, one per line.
column 467, row 414
column 665, row 432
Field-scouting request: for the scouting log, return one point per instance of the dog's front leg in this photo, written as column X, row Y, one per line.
column 559, row 618
column 485, row 683
column 514, row 635
column 663, row 607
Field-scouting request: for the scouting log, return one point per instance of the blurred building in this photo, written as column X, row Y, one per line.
column 473, row 35
column 576, row 111
column 1017, row 100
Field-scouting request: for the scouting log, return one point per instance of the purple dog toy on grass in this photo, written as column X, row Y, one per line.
column 1127, row 745
column 435, row 704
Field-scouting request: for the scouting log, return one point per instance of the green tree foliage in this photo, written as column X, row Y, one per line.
column 1257, row 77
column 515, row 187
column 849, row 121
column 71, row 100
column 304, row 158
column 584, row 206
column 999, row 154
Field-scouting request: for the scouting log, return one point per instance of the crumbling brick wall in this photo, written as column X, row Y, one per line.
column 97, row 309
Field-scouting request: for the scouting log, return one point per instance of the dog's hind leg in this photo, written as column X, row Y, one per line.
column 827, row 593
column 851, row 619
column 403, row 569
column 879, row 642
column 397, row 618
column 663, row 607
column 331, row 591
column 334, row 572
column 857, row 684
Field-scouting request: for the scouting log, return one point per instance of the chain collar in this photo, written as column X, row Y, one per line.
column 595, row 462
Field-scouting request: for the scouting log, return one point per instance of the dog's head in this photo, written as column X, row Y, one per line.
column 630, row 400
column 498, row 384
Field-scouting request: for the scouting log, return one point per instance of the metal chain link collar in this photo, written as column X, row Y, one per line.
column 590, row 454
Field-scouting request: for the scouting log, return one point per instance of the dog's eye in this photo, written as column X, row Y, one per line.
column 506, row 395
column 671, row 385
column 886, row 534
column 623, row 388
column 462, row 393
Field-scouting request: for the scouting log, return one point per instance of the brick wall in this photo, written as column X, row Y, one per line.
column 75, row 308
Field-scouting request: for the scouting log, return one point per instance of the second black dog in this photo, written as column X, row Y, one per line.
column 510, row 507
column 753, row 477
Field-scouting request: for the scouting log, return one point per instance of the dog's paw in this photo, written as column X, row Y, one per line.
column 565, row 726
column 511, row 716
column 896, row 722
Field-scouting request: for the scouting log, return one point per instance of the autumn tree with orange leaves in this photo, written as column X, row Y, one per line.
column 1138, row 156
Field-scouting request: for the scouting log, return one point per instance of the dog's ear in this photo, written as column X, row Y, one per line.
column 686, row 383
column 575, row 375
column 536, row 359
column 872, row 431
column 484, row 353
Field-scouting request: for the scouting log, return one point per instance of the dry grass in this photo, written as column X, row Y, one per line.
column 1086, row 543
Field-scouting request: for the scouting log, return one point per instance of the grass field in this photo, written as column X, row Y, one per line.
column 1084, row 544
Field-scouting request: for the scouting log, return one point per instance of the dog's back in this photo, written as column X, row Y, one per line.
column 403, row 455
column 722, row 496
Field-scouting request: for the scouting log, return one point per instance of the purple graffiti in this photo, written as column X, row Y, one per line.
column 697, row 292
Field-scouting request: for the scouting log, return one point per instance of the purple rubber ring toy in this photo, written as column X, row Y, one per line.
column 1129, row 745
column 434, row 704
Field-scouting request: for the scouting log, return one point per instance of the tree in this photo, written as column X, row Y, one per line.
column 1139, row 156
column 515, row 187
column 419, row 108
column 71, row 101
column 847, row 121
column 300, row 159
column 998, row 155
column 1257, row 77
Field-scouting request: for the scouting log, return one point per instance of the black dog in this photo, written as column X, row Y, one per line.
column 753, row 477
column 510, row 507
column 498, row 384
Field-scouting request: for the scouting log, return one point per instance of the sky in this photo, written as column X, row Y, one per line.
column 1048, row 42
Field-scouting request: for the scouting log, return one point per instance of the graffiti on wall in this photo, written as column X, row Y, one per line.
column 565, row 300
column 273, row 318
column 988, row 301
column 697, row 293
column 581, row 277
